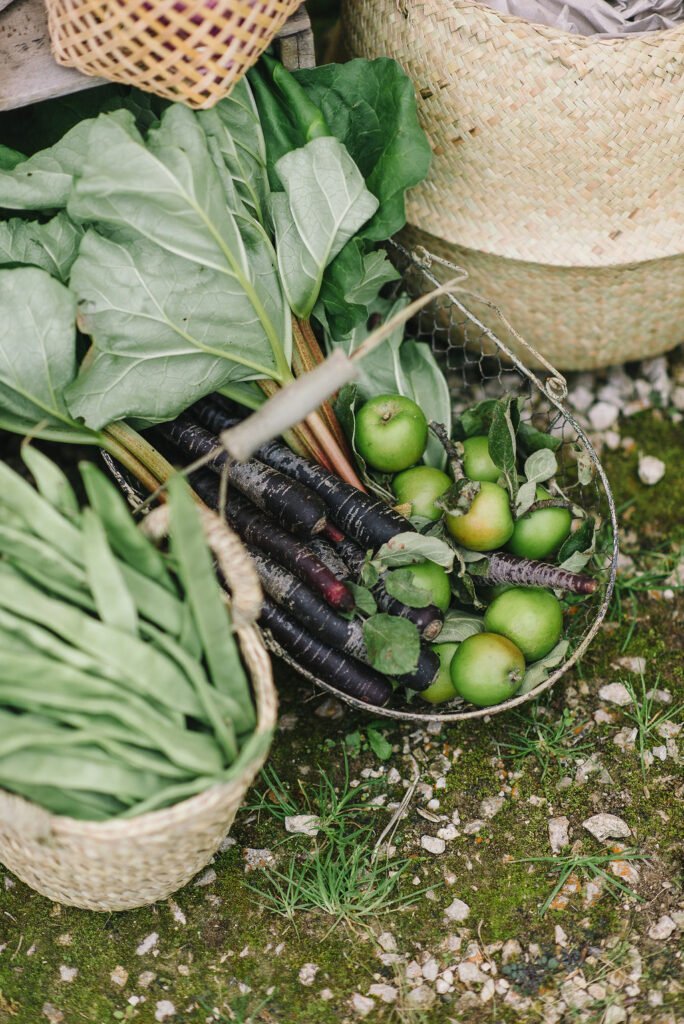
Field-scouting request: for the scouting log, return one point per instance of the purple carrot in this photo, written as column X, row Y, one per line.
column 346, row 674
column 289, row 593
column 257, row 528
column 525, row 572
column 291, row 504
column 361, row 516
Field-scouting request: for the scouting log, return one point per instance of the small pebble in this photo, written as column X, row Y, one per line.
column 307, row 974
column 164, row 1010
column 662, row 929
column 558, row 833
column 491, row 806
column 603, row 415
column 651, row 470
column 119, row 976
column 385, row 993
column 432, row 844
column 387, row 942
column 147, row 944
column 615, row 693
column 362, row 1005
column 67, row 974
column 457, row 911
column 607, row 826
column 303, row 824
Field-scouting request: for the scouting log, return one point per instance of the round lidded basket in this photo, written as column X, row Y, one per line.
column 122, row 864
column 481, row 364
column 193, row 50
column 557, row 179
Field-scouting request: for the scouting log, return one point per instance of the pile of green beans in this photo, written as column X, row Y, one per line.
column 121, row 685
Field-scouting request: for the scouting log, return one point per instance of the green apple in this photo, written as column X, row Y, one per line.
column 541, row 533
column 488, row 524
column 391, row 433
column 442, row 689
column 487, row 669
column 477, row 462
column 530, row 617
column 433, row 578
column 420, row 487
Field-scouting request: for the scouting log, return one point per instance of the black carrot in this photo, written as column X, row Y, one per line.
column 524, row 572
column 346, row 674
column 331, row 629
column 428, row 620
column 257, row 528
column 361, row 516
column 291, row 504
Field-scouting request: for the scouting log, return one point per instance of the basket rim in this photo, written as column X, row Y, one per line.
column 153, row 823
column 574, row 38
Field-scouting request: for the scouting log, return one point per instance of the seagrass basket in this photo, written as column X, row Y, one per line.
column 557, row 179
column 188, row 50
column 126, row 863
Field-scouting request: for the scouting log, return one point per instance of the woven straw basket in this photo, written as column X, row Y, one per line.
column 126, row 863
column 558, row 173
column 194, row 54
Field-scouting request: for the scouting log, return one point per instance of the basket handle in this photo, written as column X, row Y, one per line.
column 233, row 560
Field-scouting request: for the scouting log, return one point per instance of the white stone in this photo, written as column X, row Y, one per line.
column 651, row 470
column 662, row 929
column 668, row 730
column 615, row 693
column 307, row 974
column 148, row 944
column 303, row 824
column 176, row 912
column 560, row 936
column 636, row 665
column 469, row 973
column 677, row 398
column 581, row 398
column 473, row 827
column 512, row 950
column 607, row 826
column 457, row 911
column 442, row 986
column 447, row 833
column 119, row 976
column 206, row 878
column 67, row 974
column 145, row 978
column 615, row 1015
column 430, row 969
column 491, row 805
column 432, row 844
column 362, row 1005
column 164, row 1010
column 488, row 990
column 393, row 776
column 603, row 415
column 612, row 440
column 257, row 859
column 327, row 994
column 385, row 993
column 558, row 833
column 387, row 942
column 420, row 998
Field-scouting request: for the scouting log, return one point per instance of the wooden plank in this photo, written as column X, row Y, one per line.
column 28, row 71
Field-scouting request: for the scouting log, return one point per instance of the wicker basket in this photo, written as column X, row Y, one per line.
column 558, row 172
column 127, row 863
column 194, row 55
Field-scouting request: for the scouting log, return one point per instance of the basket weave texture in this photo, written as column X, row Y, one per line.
column 194, row 55
column 551, row 151
column 126, row 863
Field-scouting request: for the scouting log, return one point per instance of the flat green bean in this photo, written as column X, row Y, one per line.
column 51, row 482
column 113, row 601
column 39, row 515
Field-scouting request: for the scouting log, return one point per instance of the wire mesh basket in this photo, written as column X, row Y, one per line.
column 480, row 364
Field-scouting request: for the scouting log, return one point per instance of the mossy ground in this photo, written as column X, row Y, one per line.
column 223, row 957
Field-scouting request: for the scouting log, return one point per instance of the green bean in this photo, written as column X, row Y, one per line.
column 85, row 767
column 204, row 596
column 18, row 545
column 113, row 602
column 73, row 803
column 38, row 514
column 125, row 538
column 140, row 663
column 51, row 482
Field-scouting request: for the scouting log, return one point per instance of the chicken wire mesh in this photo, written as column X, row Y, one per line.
column 480, row 365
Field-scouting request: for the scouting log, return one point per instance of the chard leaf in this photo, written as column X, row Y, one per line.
column 324, row 204
column 170, row 192
column 370, row 106
column 458, row 625
column 165, row 332
column 410, row 548
column 351, row 285
column 502, row 441
column 52, row 246
column 393, row 644
column 234, row 125
column 401, row 585
column 37, row 353
column 44, row 181
column 9, row 158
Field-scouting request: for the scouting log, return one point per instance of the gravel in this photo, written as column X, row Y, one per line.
column 457, row 911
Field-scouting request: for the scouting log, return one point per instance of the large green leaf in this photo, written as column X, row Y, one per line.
column 165, row 332
column 234, row 126
column 52, row 246
column 324, row 204
column 44, row 181
column 170, row 191
column 37, row 352
column 351, row 284
column 370, row 106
